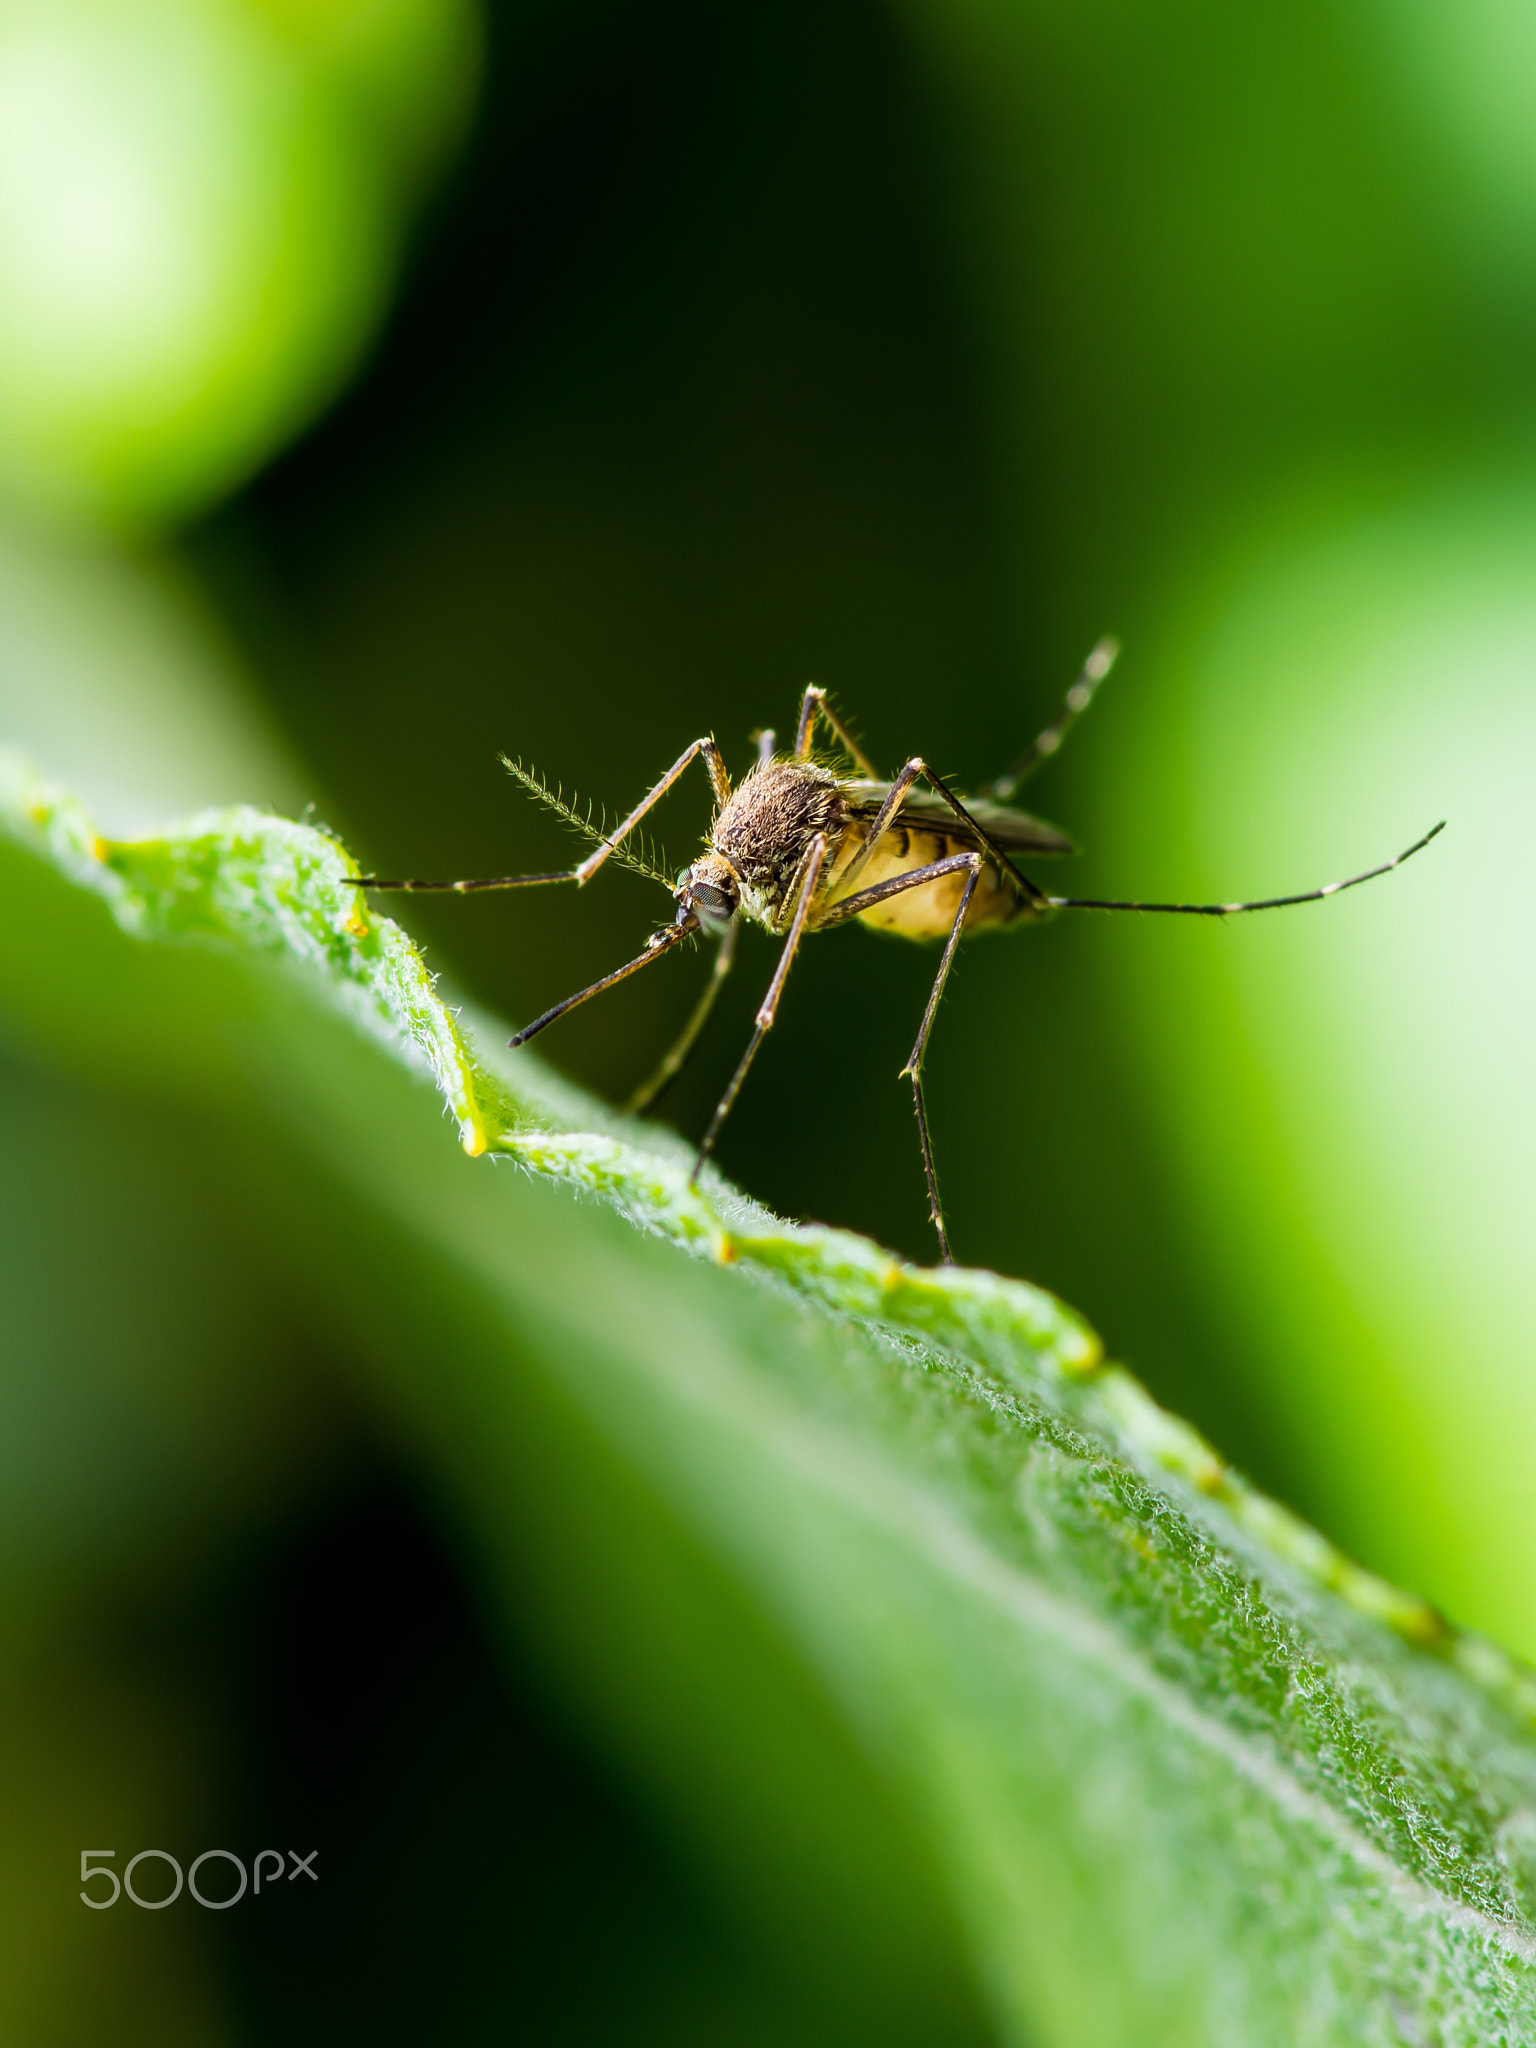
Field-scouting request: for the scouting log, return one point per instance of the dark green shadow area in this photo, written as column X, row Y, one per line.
column 481, row 1866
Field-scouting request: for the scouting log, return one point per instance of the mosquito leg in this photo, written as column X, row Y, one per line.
column 1240, row 909
column 805, row 726
column 854, row 906
column 462, row 888
column 914, row 1066
column 770, row 1003
column 717, row 775
column 955, row 863
column 588, row 868
column 651, row 1091
column 1021, row 886
column 883, row 817
column 814, row 705
column 1075, row 703
column 663, row 942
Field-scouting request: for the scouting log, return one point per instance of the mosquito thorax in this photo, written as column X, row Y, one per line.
column 766, row 830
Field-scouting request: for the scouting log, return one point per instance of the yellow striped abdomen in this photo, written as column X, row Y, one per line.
column 926, row 911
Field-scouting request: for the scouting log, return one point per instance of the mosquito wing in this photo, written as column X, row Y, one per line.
column 1014, row 831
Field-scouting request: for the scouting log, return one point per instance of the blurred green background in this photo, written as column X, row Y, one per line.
column 385, row 384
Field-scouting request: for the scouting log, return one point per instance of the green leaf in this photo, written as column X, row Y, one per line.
column 1184, row 1773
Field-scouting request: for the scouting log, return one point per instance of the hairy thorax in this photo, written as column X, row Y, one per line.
column 766, row 829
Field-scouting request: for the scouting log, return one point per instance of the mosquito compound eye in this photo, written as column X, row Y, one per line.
column 712, row 902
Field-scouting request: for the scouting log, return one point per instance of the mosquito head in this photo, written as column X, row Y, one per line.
column 708, row 893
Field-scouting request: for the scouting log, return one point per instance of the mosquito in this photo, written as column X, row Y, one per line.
column 800, row 846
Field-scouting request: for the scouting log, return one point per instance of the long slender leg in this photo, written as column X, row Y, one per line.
column 854, row 906
column 766, row 740
column 1075, row 703
column 768, row 1009
column 883, row 817
column 649, row 1092
column 1238, row 909
column 463, row 888
column 585, row 870
column 1020, row 884
column 914, row 1066
column 954, row 863
column 814, row 705
column 805, row 725
column 717, row 775
column 663, row 942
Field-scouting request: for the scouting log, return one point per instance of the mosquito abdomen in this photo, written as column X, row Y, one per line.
column 928, row 911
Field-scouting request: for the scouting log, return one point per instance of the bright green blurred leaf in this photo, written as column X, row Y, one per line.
column 1190, row 1776
column 112, row 668
column 1348, row 1091
column 410, row 63
column 1467, row 72
column 198, row 230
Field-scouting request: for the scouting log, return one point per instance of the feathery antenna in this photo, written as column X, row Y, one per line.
column 626, row 853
